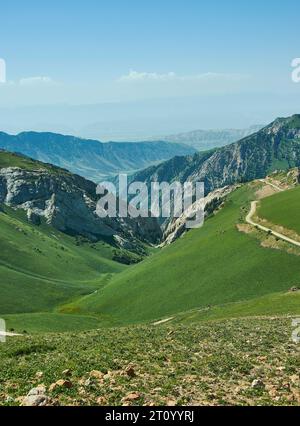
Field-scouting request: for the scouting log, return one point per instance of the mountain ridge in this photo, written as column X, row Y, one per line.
column 203, row 140
column 276, row 146
column 90, row 158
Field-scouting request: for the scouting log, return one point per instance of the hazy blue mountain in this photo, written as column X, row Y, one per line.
column 90, row 158
column 203, row 140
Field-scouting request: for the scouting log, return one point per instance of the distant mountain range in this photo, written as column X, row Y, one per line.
column 90, row 158
column 203, row 140
column 276, row 146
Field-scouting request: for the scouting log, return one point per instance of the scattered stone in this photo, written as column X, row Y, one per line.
column 295, row 379
column 19, row 399
column 272, row 391
column 101, row 400
column 39, row 374
column 52, row 387
column 286, row 387
column 171, row 403
column 88, row 383
column 108, row 375
column 281, row 369
column 262, row 358
column 65, row 384
column 133, row 396
column 130, row 371
column 258, row 384
column 67, row 373
column 81, row 391
column 36, row 397
column 290, row 398
column 96, row 374
column 61, row 384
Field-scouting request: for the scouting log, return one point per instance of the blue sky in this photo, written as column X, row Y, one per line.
column 129, row 51
column 79, row 41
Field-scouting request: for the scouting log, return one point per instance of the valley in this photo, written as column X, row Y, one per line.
column 119, row 291
column 199, row 271
column 149, row 209
column 95, row 290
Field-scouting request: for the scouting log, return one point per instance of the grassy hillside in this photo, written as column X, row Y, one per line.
column 217, row 270
column 51, row 322
column 279, row 304
column 282, row 209
column 9, row 159
column 214, row 265
column 41, row 267
column 211, row 363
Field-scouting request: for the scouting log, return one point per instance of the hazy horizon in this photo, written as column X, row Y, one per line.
column 116, row 71
column 108, row 121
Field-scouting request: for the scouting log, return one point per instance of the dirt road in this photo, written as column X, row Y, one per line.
column 264, row 228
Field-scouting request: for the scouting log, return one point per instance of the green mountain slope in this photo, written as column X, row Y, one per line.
column 214, row 265
column 53, row 248
column 10, row 159
column 282, row 209
column 41, row 267
column 278, row 304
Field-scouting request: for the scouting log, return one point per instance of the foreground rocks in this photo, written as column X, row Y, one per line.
column 36, row 397
column 230, row 362
column 67, row 384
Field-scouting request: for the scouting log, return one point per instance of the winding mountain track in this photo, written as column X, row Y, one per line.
column 266, row 182
column 265, row 229
column 163, row 321
column 7, row 334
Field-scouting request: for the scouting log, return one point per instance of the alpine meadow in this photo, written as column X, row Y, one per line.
column 111, row 299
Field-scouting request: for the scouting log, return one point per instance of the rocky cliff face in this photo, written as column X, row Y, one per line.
column 277, row 146
column 68, row 203
column 177, row 226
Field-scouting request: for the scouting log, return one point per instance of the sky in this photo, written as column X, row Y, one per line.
column 141, row 68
